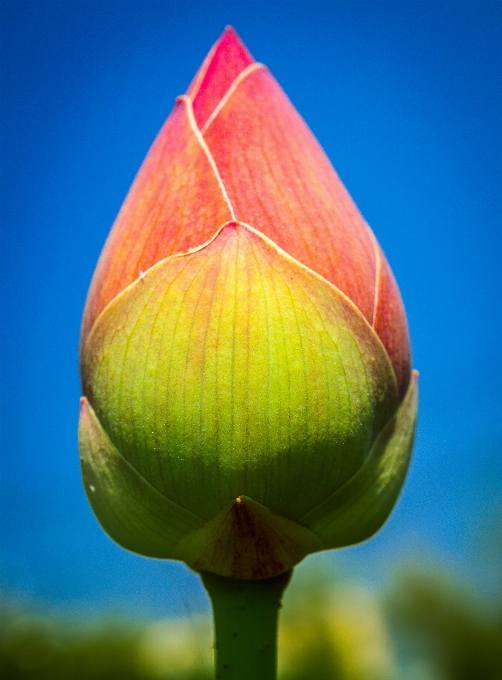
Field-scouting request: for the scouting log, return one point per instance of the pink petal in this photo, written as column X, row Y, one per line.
column 221, row 67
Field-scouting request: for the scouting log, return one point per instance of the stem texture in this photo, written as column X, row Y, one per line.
column 245, row 614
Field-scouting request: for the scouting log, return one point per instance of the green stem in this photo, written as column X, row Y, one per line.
column 245, row 624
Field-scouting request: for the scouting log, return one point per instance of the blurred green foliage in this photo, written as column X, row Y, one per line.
column 44, row 648
column 35, row 647
column 427, row 627
column 445, row 628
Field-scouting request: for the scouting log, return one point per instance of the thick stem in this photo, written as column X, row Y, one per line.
column 245, row 624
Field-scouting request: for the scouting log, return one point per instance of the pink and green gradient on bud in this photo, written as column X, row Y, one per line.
column 248, row 396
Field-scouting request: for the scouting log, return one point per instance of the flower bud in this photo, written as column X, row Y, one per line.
column 245, row 358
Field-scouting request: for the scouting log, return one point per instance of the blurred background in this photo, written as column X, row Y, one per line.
column 406, row 99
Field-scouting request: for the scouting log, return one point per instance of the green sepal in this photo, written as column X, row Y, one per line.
column 247, row 541
column 128, row 508
column 358, row 509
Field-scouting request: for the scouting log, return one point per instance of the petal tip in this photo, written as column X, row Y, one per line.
column 226, row 60
column 230, row 41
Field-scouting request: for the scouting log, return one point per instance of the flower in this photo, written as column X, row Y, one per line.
column 245, row 358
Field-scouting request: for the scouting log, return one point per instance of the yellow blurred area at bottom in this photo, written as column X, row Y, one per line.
column 338, row 634
column 428, row 626
column 363, row 642
column 335, row 633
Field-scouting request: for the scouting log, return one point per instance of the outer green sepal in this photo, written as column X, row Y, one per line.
column 128, row 508
column 358, row 509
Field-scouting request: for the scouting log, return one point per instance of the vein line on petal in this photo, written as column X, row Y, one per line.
column 288, row 366
column 238, row 80
column 193, row 124
column 378, row 272
column 267, row 330
column 235, row 267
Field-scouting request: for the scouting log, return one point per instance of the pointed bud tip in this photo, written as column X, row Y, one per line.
column 226, row 60
column 232, row 47
column 231, row 38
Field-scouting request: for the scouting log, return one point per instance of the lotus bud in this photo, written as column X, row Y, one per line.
column 245, row 358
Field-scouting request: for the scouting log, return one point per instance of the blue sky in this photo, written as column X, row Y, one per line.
column 406, row 99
